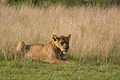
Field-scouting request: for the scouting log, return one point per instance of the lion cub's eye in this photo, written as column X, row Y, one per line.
column 62, row 43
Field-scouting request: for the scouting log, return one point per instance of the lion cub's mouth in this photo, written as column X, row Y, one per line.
column 65, row 52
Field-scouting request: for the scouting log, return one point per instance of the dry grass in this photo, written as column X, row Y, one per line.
column 93, row 30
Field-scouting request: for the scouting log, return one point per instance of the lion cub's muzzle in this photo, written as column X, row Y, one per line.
column 66, row 50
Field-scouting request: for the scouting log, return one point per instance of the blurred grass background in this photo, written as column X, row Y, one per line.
column 46, row 3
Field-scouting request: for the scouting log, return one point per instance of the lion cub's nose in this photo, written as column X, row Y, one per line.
column 66, row 49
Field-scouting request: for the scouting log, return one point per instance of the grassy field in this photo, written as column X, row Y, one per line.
column 28, row 70
column 78, row 69
column 94, row 44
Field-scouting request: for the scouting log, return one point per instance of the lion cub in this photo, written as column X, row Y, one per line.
column 53, row 52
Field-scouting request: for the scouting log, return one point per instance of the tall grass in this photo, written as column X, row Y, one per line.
column 95, row 31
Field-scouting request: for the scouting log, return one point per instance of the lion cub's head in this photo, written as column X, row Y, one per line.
column 62, row 42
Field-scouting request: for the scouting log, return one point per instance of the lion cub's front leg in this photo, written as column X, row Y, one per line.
column 61, row 61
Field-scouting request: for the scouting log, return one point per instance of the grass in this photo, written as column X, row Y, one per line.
column 94, row 44
column 79, row 68
column 68, row 3
column 93, row 30
column 28, row 70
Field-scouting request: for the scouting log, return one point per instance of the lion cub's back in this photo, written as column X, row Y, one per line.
column 36, row 51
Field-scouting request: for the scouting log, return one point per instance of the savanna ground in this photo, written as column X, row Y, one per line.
column 28, row 70
column 94, row 44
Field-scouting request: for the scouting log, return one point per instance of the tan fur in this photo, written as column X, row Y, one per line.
column 54, row 51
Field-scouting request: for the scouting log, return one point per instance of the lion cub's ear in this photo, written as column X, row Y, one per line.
column 55, row 38
column 69, row 36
